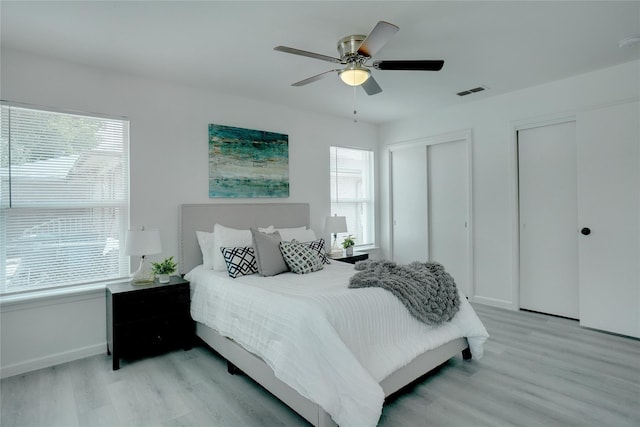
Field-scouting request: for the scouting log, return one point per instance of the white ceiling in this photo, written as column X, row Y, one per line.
column 228, row 46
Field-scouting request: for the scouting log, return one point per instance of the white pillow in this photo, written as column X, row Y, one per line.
column 301, row 234
column 225, row 237
column 205, row 240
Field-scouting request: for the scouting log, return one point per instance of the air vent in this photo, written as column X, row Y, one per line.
column 470, row 91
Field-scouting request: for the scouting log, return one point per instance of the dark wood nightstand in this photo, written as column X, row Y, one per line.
column 148, row 318
column 357, row 256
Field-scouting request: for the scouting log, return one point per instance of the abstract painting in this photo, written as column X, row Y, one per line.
column 247, row 163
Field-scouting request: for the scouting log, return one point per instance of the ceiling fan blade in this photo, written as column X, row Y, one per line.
column 286, row 49
column 377, row 38
column 314, row 78
column 416, row 65
column 371, row 86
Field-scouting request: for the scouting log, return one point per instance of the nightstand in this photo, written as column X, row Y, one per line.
column 357, row 256
column 149, row 318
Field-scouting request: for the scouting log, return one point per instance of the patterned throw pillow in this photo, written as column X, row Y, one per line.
column 300, row 258
column 240, row 261
column 318, row 246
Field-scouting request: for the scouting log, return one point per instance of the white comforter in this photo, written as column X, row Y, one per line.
column 331, row 344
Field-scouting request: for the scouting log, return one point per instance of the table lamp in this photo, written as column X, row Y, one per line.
column 142, row 243
column 334, row 225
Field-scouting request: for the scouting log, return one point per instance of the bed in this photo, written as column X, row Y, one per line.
column 355, row 389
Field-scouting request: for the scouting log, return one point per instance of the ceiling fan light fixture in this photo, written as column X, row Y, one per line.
column 355, row 75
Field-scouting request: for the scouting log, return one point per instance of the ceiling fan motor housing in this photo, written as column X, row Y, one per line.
column 348, row 46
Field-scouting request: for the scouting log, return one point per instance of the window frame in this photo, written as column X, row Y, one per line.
column 116, row 204
column 366, row 203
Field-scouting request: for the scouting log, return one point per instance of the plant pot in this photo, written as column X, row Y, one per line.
column 349, row 251
column 164, row 278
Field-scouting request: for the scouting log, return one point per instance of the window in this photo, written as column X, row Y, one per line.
column 352, row 192
column 64, row 198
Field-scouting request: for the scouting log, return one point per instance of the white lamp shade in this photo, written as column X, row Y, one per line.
column 335, row 224
column 143, row 242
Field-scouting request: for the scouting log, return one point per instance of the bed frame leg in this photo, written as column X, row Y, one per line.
column 233, row 369
column 466, row 354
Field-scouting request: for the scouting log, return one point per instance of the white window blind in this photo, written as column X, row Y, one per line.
column 352, row 192
column 64, row 198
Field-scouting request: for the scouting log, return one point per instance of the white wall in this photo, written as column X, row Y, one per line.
column 169, row 166
column 492, row 122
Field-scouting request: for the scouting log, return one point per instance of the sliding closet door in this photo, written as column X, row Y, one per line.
column 431, row 204
column 409, row 204
column 448, row 178
column 547, row 176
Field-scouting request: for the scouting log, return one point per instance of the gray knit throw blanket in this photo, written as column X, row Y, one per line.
column 428, row 292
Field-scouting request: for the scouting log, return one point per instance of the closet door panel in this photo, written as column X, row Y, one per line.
column 548, row 219
column 448, row 179
column 409, row 204
column 609, row 205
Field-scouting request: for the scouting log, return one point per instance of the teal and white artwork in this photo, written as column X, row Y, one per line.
column 247, row 163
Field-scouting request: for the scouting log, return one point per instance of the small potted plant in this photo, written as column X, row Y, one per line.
column 348, row 244
column 164, row 269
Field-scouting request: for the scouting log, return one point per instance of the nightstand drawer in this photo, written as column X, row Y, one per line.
column 143, row 305
column 154, row 336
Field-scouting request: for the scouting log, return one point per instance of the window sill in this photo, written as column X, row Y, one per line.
column 26, row 300
column 366, row 248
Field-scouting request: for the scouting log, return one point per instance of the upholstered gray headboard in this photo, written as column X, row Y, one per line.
column 202, row 217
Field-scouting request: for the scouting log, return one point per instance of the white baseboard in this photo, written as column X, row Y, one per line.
column 52, row 360
column 508, row 305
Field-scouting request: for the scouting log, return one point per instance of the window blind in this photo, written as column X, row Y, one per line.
column 352, row 192
column 64, row 198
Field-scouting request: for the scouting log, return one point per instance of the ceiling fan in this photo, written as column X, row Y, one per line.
column 355, row 51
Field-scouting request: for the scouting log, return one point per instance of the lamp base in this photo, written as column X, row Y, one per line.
column 142, row 280
column 336, row 251
column 143, row 274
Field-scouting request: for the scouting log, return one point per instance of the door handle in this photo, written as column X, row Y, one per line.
column 585, row 231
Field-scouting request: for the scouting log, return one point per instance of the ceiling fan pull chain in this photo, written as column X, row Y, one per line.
column 355, row 112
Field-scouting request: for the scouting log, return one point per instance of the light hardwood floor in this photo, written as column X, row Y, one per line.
column 537, row 371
